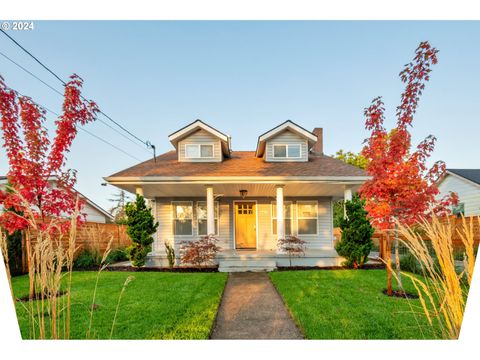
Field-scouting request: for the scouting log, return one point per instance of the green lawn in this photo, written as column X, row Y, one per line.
column 349, row 304
column 155, row 305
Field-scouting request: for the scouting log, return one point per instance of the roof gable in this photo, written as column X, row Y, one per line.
column 195, row 126
column 285, row 126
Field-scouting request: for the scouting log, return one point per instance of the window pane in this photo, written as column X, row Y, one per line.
column 279, row 151
column 459, row 209
column 287, row 210
column 202, row 227
column 294, row 151
column 191, row 151
column 288, row 227
column 183, row 227
column 307, row 210
column 201, row 211
column 206, row 151
column 307, row 226
column 182, row 211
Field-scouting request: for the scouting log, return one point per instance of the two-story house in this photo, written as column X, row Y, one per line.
column 248, row 199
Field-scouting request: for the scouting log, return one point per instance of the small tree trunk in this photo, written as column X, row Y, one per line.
column 397, row 261
column 31, row 272
column 389, row 265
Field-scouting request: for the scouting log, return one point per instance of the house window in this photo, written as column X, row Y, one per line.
column 287, row 216
column 182, row 217
column 199, row 151
column 459, row 210
column 307, row 217
column 286, row 151
column 202, row 217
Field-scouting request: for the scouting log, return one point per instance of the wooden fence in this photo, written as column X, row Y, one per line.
column 379, row 237
column 96, row 236
column 90, row 236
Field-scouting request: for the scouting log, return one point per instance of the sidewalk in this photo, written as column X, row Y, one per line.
column 251, row 308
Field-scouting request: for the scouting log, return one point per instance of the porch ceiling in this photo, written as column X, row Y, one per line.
column 328, row 189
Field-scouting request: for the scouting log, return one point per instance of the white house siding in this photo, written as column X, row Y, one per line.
column 266, row 239
column 286, row 137
column 468, row 193
column 201, row 137
column 93, row 215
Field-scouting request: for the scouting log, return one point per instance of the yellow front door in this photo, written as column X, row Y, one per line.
column 245, row 225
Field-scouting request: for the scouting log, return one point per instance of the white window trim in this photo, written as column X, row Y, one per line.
column 173, row 217
column 216, row 213
column 200, row 151
column 298, row 217
column 274, row 215
column 286, row 149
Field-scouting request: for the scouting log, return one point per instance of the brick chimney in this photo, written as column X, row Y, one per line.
column 318, row 147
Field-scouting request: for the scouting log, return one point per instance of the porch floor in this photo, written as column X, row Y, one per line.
column 260, row 253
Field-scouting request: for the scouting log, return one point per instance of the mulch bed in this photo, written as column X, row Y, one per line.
column 401, row 294
column 183, row 269
column 26, row 298
column 364, row 267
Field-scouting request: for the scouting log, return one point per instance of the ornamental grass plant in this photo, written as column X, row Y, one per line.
column 442, row 289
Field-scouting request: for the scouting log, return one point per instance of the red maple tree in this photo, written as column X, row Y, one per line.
column 402, row 187
column 38, row 183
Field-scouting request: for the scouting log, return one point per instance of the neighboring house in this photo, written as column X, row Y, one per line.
column 203, row 187
column 94, row 213
column 466, row 183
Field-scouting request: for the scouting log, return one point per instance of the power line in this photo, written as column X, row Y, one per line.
column 147, row 143
column 59, row 93
column 31, row 74
column 88, row 132
column 29, row 53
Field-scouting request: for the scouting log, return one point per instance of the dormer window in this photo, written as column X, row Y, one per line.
column 287, row 151
column 199, row 151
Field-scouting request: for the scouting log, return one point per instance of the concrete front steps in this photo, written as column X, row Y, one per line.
column 241, row 265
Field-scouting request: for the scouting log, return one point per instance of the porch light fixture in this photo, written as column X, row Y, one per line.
column 243, row 193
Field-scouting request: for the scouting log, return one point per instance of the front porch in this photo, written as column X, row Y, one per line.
column 247, row 217
column 261, row 260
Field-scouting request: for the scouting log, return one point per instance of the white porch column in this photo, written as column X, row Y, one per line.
column 280, row 215
column 210, row 211
column 139, row 190
column 347, row 196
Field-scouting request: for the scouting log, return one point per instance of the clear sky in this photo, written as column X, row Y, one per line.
column 246, row 77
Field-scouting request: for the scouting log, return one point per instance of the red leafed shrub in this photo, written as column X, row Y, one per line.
column 200, row 252
column 293, row 246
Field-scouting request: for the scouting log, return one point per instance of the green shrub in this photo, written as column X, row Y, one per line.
column 14, row 247
column 116, row 255
column 87, row 259
column 141, row 226
column 410, row 263
column 356, row 242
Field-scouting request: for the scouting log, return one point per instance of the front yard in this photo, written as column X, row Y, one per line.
column 325, row 304
column 154, row 306
column 349, row 304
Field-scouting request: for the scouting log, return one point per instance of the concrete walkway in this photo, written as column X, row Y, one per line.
column 251, row 308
